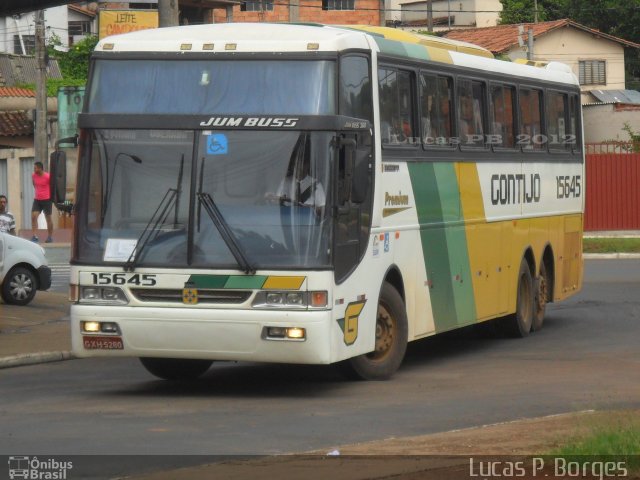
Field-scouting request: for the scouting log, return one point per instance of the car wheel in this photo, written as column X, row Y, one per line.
column 19, row 286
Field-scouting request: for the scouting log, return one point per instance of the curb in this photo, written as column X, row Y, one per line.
column 34, row 358
column 602, row 256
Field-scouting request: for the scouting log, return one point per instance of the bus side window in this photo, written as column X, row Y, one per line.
column 355, row 87
column 573, row 141
column 435, row 100
column 502, row 116
column 530, row 137
column 557, row 109
column 396, row 113
column 470, row 113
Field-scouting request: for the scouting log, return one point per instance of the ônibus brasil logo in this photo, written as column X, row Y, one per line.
column 32, row 468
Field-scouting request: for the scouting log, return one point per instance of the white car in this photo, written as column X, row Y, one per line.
column 23, row 269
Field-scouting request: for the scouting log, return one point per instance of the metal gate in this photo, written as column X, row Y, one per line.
column 612, row 187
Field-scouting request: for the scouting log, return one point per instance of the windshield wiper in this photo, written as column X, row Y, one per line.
column 151, row 231
column 210, row 207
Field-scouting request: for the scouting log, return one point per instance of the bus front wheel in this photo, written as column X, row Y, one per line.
column 519, row 324
column 175, row 368
column 391, row 339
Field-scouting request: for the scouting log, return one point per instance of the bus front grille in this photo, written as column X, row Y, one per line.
column 204, row 296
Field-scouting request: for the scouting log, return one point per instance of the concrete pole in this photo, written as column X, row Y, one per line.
column 168, row 13
column 40, row 134
column 535, row 11
column 530, row 44
column 430, row 15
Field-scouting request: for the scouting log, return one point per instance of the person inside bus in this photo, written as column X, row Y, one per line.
column 299, row 187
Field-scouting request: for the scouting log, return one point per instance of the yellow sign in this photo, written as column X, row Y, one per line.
column 115, row 22
column 349, row 324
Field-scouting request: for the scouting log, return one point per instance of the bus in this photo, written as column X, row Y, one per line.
column 314, row 194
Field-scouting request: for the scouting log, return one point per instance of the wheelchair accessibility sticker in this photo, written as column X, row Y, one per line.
column 217, row 144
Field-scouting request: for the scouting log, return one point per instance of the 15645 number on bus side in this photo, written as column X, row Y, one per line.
column 568, row 186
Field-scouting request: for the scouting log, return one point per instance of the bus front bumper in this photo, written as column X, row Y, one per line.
column 241, row 335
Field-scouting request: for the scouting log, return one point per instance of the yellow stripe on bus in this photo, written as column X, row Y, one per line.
column 283, row 283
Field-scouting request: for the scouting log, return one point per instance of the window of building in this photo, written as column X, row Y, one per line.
column 338, row 5
column 436, row 100
column 396, row 107
column 471, row 105
column 592, row 72
column 29, row 42
column 502, row 116
column 257, row 6
column 531, row 120
column 78, row 29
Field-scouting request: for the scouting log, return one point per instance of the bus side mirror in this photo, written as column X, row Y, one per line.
column 58, row 175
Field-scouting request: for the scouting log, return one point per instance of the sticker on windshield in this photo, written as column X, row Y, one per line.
column 119, row 249
column 217, row 144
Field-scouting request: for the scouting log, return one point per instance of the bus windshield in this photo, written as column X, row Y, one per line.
column 151, row 201
column 181, row 87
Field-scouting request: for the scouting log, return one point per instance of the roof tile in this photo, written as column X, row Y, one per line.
column 16, row 92
column 15, row 124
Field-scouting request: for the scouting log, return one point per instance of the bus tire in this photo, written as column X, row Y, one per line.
column 519, row 324
column 391, row 339
column 175, row 368
column 541, row 298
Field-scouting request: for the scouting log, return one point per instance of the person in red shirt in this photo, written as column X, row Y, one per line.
column 42, row 201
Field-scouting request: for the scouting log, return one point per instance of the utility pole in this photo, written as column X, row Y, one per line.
column 168, row 13
column 530, row 44
column 535, row 11
column 40, row 133
column 430, row 16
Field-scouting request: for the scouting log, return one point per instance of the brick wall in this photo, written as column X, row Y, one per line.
column 366, row 13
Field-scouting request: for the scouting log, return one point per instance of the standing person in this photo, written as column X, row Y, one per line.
column 42, row 201
column 7, row 220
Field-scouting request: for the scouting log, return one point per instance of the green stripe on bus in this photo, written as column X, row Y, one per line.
column 246, row 281
column 444, row 243
column 391, row 47
column 227, row 281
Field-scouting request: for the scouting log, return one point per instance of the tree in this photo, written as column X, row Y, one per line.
column 523, row 11
column 74, row 63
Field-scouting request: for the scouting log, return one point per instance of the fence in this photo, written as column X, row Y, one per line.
column 612, row 187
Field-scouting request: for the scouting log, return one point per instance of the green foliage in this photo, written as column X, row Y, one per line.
column 611, row 245
column 523, row 11
column 74, row 64
column 634, row 137
column 605, row 443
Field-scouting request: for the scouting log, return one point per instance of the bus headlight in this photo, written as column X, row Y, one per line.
column 109, row 295
column 291, row 300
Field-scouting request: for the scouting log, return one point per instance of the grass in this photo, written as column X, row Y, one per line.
column 615, row 439
column 611, row 245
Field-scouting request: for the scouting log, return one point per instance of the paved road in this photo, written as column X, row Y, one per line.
column 586, row 357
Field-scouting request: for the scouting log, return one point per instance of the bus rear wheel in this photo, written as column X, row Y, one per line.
column 542, row 297
column 519, row 324
column 175, row 368
column 391, row 339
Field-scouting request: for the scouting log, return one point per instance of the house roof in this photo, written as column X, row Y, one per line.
column 16, row 92
column 21, row 69
column 631, row 97
column 82, row 10
column 502, row 38
column 15, row 124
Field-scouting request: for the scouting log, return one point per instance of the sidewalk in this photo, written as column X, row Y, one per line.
column 36, row 333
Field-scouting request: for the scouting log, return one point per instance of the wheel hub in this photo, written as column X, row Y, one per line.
column 20, row 287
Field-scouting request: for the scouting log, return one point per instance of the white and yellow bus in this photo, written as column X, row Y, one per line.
column 317, row 194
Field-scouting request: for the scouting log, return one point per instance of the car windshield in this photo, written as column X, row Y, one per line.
column 150, row 198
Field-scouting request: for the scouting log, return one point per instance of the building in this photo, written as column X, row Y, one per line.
column 449, row 14
column 335, row 12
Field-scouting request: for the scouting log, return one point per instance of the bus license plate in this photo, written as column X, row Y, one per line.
column 102, row 343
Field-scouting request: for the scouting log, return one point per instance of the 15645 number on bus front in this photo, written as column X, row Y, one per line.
column 145, row 280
